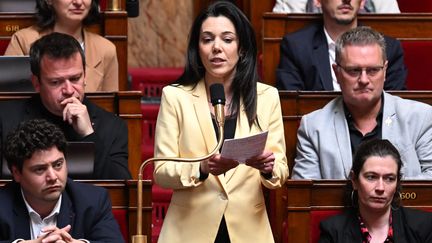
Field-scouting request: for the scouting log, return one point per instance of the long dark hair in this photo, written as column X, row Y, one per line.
column 379, row 148
column 244, row 85
column 45, row 14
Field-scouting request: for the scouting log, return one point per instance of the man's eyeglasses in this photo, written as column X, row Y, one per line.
column 355, row 72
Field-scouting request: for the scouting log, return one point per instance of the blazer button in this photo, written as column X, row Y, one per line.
column 222, row 196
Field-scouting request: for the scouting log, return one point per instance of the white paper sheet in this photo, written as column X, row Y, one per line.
column 241, row 149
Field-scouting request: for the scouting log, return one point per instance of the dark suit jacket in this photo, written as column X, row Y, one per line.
column 86, row 208
column 409, row 226
column 110, row 136
column 304, row 62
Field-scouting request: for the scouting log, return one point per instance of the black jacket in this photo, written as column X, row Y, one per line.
column 304, row 62
column 409, row 226
column 110, row 133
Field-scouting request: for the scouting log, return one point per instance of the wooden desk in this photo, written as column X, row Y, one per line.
column 126, row 104
column 405, row 27
column 113, row 27
column 307, row 196
column 123, row 196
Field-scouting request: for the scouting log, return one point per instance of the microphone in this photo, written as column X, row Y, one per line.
column 132, row 8
column 217, row 97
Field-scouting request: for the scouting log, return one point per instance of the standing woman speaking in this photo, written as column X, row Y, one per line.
column 72, row 17
column 219, row 200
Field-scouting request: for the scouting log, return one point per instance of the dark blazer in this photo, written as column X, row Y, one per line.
column 409, row 226
column 86, row 208
column 110, row 136
column 305, row 65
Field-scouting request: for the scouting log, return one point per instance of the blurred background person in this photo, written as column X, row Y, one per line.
column 306, row 55
column 373, row 212
column 72, row 17
column 309, row 6
column 219, row 200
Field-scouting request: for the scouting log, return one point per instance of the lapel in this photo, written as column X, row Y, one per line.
column 321, row 58
column 21, row 220
column 202, row 113
column 342, row 136
column 67, row 214
column 94, row 76
column 398, row 228
column 352, row 232
column 91, row 60
column 389, row 118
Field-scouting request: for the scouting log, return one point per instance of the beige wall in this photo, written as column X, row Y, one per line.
column 158, row 37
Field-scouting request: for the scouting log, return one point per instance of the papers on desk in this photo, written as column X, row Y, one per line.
column 241, row 149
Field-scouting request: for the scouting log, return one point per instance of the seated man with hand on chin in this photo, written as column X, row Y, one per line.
column 58, row 67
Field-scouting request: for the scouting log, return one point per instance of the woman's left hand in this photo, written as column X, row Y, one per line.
column 263, row 162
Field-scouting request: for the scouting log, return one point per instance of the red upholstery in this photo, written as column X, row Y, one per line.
column 122, row 219
column 315, row 218
column 161, row 199
column 151, row 80
column 3, row 45
column 415, row 6
column 102, row 4
column 419, row 64
column 149, row 115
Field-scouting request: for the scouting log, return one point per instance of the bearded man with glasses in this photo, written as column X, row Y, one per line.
column 327, row 138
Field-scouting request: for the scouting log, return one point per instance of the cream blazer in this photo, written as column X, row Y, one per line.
column 184, row 129
column 101, row 57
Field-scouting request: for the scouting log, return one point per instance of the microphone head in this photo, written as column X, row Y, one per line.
column 217, row 94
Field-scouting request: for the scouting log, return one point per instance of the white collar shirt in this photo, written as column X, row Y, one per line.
column 332, row 58
column 36, row 222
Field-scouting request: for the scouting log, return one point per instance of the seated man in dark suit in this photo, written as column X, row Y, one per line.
column 307, row 55
column 57, row 63
column 42, row 204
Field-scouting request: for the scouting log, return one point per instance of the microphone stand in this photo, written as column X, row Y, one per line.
column 114, row 5
column 220, row 120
